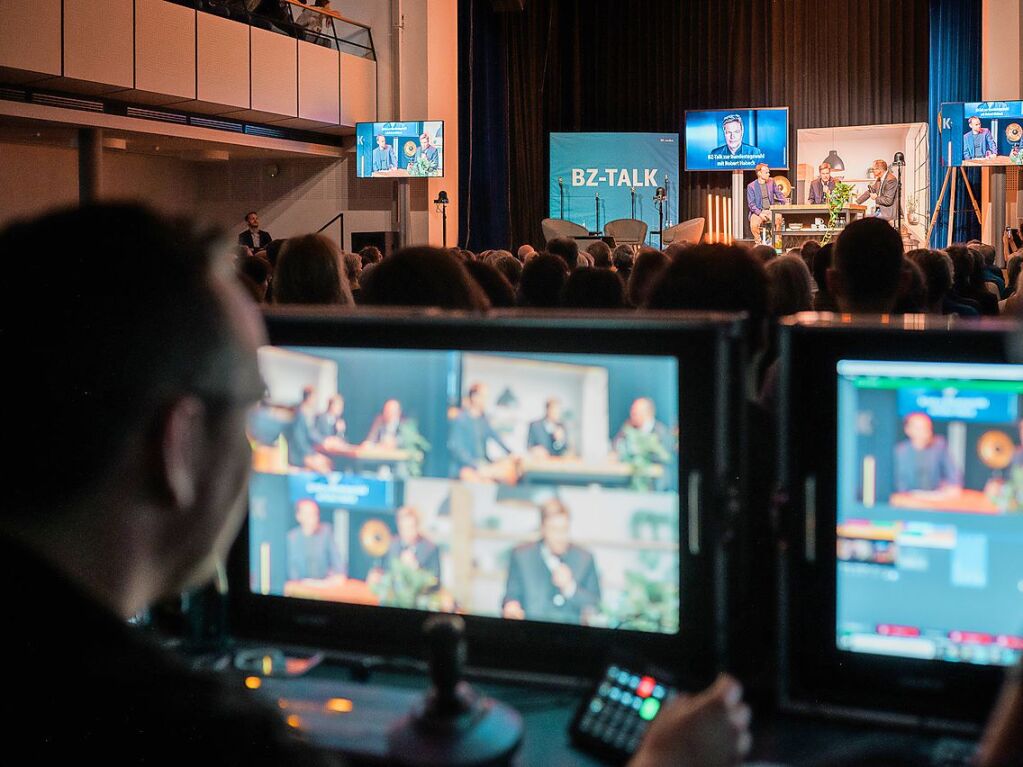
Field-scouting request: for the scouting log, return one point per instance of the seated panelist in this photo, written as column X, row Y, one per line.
column 821, row 186
column 384, row 430
column 548, row 436
column 312, row 550
column 922, row 461
column 469, row 435
column 410, row 546
column 761, row 194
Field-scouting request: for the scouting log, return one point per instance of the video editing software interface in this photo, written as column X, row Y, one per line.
column 515, row 486
column 930, row 511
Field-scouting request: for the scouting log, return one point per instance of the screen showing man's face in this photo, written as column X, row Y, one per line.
column 733, row 135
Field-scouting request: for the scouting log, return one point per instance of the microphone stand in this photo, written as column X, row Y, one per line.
column 899, row 161
column 561, row 194
column 633, row 191
column 596, row 203
column 667, row 192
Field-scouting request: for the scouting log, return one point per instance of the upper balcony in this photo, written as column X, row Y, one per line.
column 273, row 62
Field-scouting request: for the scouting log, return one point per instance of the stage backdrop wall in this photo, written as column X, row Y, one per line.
column 569, row 65
column 612, row 166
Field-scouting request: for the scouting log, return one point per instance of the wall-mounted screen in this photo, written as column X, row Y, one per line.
column 737, row 139
column 981, row 133
column 399, row 149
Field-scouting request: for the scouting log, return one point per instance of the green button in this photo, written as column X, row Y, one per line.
column 649, row 708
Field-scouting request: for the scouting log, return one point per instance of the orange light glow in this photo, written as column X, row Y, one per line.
column 253, row 682
column 339, row 705
column 294, row 721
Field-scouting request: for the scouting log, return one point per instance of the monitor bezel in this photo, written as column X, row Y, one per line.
column 705, row 408
column 814, row 673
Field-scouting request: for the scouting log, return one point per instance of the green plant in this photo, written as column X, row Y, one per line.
column 422, row 167
column 411, row 587
column 646, row 605
column 837, row 199
column 642, row 451
column 410, row 439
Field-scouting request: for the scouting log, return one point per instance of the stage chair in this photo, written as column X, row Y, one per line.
column 626, row 231
column 559, row 227
column 690, row 231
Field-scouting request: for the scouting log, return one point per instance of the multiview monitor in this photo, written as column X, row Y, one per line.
column 981, row 133
column 903, row 575
column 543, row 482
column 411, row 149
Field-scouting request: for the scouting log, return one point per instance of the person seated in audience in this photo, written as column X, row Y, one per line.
column 622, row 260
column 385, row 430
column 552, row 579
column 968, row 282
column 823, row 301
column 499, row 291
column 423, row 276
column 353, row 271
column 923, row 462
column 524, row 253
column 509, row 266
column 543, row 277
column 370, row 255
column 254, row 238
column 992, row 274
column 936, row 267
column 331, row 424
column 593, row 289
column 600, row 251
column 255, row 274
column 313, row 554
column 912, row 297
column 788, row 286
column 765, row 253
column 867, row 267
column 310, row 271
column 584, row 260
column 565, row 248
column 650, row 265
column 304, row 438
column 1013, row 305
column 807, row 251
column 548, row 435
column 409, row 547
column 154, row 499
column 470, row 434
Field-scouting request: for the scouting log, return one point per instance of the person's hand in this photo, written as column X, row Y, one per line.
column 562, row 579
column 408, row 558
column 710, row 729
column 513, row 610
column 873, row 195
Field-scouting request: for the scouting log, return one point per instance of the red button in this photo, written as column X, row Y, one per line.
column 646, row 686
column 891, row 630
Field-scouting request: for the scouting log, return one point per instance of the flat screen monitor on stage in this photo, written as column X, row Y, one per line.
column 513, row 474
column 601, row 177
column 399, row 149
column 737, row 139
column 905, row 580
column 981, row 133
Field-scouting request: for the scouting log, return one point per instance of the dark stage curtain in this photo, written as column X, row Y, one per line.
column 955, row 76
column 596, row 65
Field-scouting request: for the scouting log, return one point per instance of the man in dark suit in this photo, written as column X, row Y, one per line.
column 469, row 435
column 254, row 238
column 821, row 186
column 386, row 425
column 552, row 579
column 548, row 436
column 734, row 146
column 883, row 191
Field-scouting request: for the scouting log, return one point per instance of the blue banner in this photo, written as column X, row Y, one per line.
column 343, row 490
column 960, row 405
column 613, row 175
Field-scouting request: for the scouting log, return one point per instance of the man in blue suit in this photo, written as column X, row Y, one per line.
column 548, row 436
column 552, row 579
column 978, row 142
column 384, row 157
column 761, row 194
column 469, row 435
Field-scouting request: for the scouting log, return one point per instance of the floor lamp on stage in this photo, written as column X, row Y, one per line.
column 659, row 198
column 442, row 202
column 899, row 162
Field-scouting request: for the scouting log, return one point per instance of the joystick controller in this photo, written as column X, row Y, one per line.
column 453, row 725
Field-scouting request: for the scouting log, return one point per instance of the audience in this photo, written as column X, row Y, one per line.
column 600, row 251
column 788, row 286
column 650, row 263
column 423, row 276
column 566, row 249
column 968, row 281
column 593, row 289
column 543, row 277
column 764, row 252
column 507, row 265
column 823, row 301
column 524, row 253
column 936, row 267
column 370, row 255
column 499, row 291
column 310, row 271
column 622, row 260
column 353, row 270
column 255, row 275
column 912, row 297
column 867, row 267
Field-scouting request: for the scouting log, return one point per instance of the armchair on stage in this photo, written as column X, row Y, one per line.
column 690, row 231
column 626, row 231
column 559, row 227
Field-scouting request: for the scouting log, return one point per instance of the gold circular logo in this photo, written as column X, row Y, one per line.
column 375, row 538
column 1014, row 131
column 410, row 148
column 784, row 185
column 995, row 449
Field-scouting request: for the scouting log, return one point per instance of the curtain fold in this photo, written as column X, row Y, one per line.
column 596, row 65
column 955, row 64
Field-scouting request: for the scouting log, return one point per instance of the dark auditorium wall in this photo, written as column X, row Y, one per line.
column 596, row 65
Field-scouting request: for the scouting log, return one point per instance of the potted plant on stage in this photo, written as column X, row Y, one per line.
column 837, row 199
